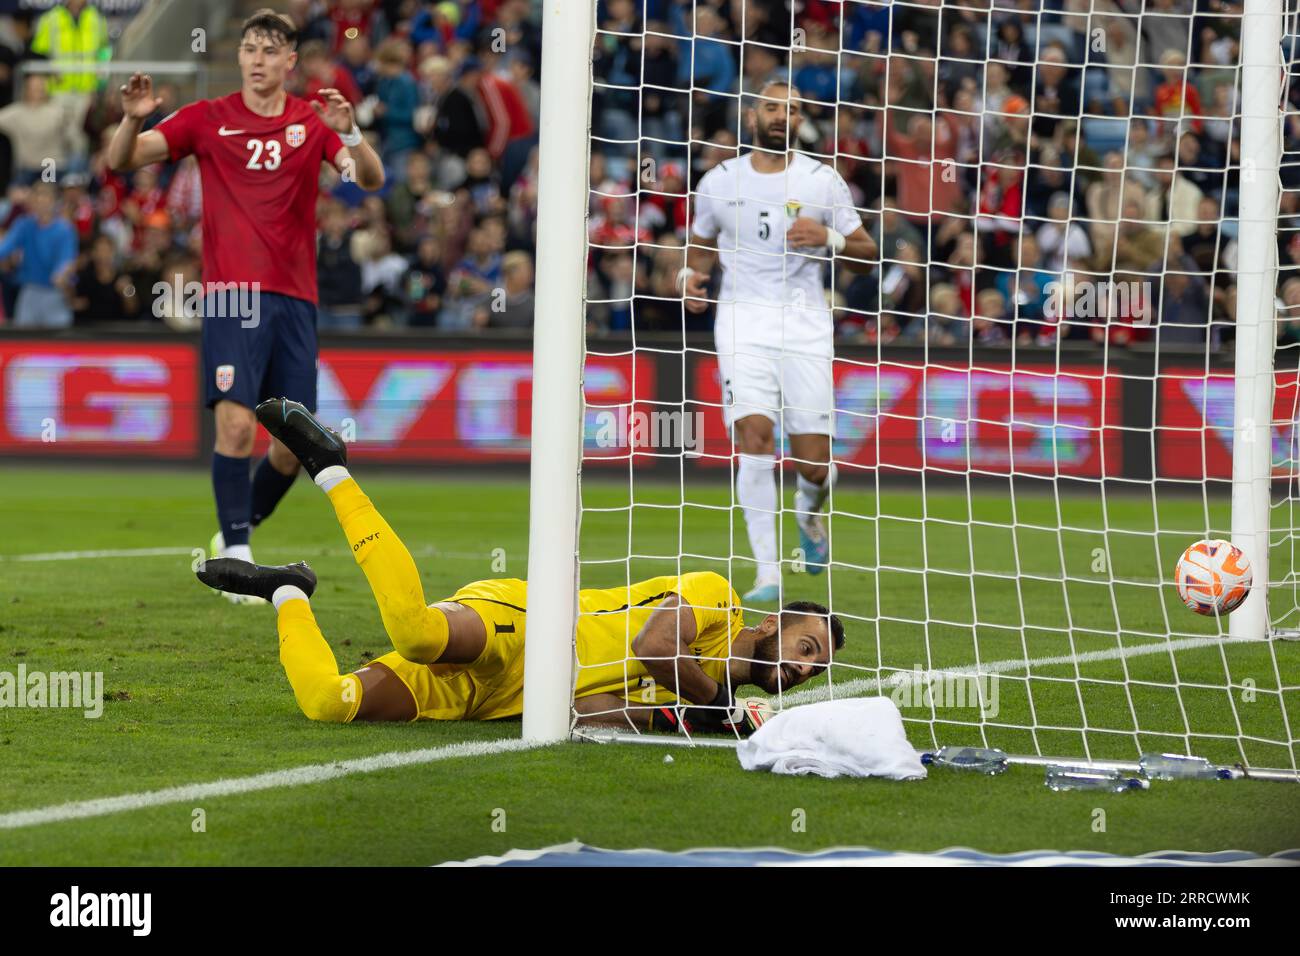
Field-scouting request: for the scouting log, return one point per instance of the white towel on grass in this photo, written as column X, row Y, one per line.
column 855, row 737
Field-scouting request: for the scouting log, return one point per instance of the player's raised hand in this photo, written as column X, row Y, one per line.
column 697, row 287
column 336, row 111
column 804, row 232
column 138, row 100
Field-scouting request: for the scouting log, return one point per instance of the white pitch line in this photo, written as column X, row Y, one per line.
column 869, row 685
column 108, row 553
column 271, row 780
column 423, row 552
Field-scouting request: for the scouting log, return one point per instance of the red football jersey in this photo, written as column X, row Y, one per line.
column 260, row 184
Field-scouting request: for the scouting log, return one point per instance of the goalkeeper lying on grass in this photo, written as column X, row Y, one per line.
column 664, row 654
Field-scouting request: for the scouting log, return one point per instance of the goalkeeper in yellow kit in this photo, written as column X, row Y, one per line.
column 665, row 653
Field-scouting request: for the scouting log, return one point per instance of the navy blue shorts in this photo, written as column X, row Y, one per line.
column 259, row 345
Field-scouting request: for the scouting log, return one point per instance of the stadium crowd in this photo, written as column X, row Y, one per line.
column 1032, row 170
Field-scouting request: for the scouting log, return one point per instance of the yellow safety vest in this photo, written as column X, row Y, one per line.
column 60, row 37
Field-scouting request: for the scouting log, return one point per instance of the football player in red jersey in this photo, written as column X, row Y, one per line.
column 259, row 153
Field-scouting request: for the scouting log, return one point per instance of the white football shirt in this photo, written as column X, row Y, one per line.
column 771, row 296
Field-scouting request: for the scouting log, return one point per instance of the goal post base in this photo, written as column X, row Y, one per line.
column 611, row 736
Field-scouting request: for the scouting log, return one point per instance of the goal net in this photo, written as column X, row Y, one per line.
column 1065, row 355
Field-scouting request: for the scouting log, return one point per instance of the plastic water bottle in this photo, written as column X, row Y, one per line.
column 978, row 759
column 1084, row 778
column 1177, row 767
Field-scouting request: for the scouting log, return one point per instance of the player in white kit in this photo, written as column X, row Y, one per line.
column 774, row 219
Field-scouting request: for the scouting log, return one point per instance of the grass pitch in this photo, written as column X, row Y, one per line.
column 195, row 692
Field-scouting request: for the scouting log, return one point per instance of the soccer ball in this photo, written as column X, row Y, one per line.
column 1213, row 577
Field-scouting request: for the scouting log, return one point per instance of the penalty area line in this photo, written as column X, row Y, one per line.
column 271, row 780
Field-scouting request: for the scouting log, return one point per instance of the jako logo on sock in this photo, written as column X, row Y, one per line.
column 103, row 909
column 369, row 537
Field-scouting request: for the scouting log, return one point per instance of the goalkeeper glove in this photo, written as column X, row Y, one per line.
column 710, row 719
column 750, row 713
column 742, row 716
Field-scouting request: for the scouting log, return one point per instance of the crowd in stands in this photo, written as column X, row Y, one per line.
column 448, row 94
column 1032, row 170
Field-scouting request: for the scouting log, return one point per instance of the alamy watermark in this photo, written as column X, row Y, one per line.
column 217, row 300
column 133, row 911
column 620, row 427
column 1086, row 299
column 942, row 690
column 78, row 690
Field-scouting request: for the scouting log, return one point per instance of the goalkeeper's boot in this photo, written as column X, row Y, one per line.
column 316, row 446
column 243, row 577
column 762, row 593
column 217, row 549
column 814, row 542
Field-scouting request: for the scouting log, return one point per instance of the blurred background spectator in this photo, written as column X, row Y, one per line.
column 45, row 244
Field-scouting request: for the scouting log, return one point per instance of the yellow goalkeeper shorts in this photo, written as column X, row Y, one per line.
column 491, row 687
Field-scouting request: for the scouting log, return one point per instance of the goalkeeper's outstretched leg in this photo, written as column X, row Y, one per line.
column 375, row 692
column 446, row 634
column 419, row 632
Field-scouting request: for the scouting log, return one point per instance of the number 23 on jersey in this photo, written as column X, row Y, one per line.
column 263, row 154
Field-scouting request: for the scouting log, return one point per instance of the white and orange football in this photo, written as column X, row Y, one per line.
column 1213, row 577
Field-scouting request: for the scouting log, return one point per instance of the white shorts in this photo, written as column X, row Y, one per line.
column 795, row 391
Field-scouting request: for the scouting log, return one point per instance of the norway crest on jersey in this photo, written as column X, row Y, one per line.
column 225, row 377
column 295, row 135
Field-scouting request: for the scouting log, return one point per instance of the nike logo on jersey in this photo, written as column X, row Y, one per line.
column 228, row 132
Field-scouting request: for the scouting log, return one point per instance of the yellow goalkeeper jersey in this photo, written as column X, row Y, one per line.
column 609, row 619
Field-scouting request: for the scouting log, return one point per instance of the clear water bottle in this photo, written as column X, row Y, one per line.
column 979, row 759
column 1085, row 778
column 1178, row 767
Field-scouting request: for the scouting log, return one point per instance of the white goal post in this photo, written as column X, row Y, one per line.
column 1252, row 464
column 1015, row 478
column 556, row 460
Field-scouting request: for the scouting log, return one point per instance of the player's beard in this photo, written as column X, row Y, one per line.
column 764, row 672
column 772, row 138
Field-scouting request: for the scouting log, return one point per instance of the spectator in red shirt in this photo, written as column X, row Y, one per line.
column 923, row 165
column 664, row 207
column 1175, row 97
column 322, row 72
column 1002, row 203
column 146, row 197
column 352, row 18
column 506, row 112
column 78, row 206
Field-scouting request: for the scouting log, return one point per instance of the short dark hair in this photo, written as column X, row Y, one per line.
column 272, row 24
column 813, row 609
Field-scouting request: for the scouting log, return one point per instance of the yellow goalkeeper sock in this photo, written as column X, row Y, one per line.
column 311, row 668
column 418, row 632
